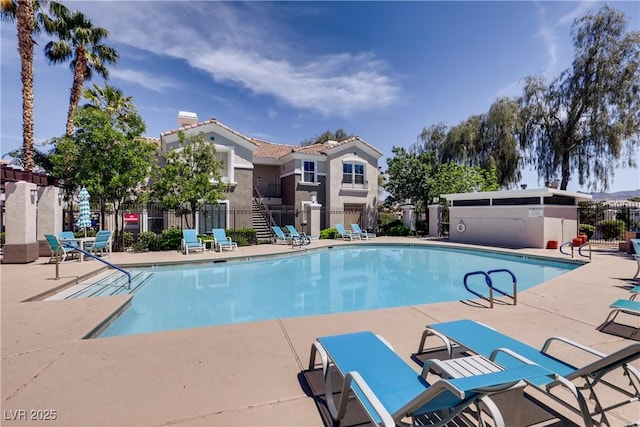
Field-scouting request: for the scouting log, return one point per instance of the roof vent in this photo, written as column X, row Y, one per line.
column 186, row 118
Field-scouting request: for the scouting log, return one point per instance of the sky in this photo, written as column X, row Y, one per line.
column 289, row 71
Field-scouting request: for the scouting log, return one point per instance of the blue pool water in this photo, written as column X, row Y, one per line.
column 317, row 282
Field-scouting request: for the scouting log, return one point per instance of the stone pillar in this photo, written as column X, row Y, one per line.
column 409, row 216
column 313, row 219
column 435, row 220
column 21, row 245
column 49, row 216
column 144, row 220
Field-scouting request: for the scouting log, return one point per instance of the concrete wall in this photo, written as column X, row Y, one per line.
column 512, row 226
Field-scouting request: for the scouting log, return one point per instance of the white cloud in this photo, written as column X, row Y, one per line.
column 143, row 79
column 239, row 44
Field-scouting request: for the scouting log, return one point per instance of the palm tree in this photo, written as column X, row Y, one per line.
column 81, row 42
column 24, row 13
column 109, row 99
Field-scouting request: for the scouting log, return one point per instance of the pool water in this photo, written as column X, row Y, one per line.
column 309, row 283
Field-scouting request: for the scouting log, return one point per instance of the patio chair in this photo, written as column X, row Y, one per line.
column 68, row 237
column 221, row 241
column 482, row 340
column 629, row 306
column 102, row 243
column 279, row 235
column 636, row 248
column 346, row 235
column 389, row 390
column 360, row 232
column 191, row 242
column 58, row 248
column 297, row 238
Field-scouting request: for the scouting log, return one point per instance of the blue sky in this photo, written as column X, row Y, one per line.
column 288, row 71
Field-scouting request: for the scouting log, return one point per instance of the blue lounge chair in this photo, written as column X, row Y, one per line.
column 628, row 306
column 221, row 241
column 482, row 340
column 102, row 243
column 363, row 234
column 346, row 235
column 636, row 255
column 57, row 248
column 389, row 390
column 279, row 235
column 191, row 242
column 297, row 238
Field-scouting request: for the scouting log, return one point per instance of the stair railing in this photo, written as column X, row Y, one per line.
column 266, row 212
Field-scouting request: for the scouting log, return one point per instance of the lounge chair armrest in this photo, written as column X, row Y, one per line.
column 447, row 342
column 511, row 353
column 548, row 342
column 365, row 392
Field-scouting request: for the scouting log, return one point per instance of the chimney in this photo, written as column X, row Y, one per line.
column 186, row 118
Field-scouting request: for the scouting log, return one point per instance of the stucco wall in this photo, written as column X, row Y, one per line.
column 241, row 194
column 340, row 196
column 512, row 226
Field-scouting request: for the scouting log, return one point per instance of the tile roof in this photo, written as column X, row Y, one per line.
column 266, row 149
column 206, row 122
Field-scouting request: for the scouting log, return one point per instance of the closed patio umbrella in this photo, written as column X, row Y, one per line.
column 84, row 220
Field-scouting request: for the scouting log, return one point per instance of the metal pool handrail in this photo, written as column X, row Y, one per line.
column 90, row 255
column 489, row 282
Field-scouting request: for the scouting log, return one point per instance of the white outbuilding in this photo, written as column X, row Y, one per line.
column 519, row 218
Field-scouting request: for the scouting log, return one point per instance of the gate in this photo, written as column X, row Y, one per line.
column 606, row 223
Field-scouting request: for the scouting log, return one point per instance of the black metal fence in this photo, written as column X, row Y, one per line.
column 608, row 222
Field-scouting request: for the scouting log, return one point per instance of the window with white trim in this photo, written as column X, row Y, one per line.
column 309, row 171
column 225, row 156
column 353, row 175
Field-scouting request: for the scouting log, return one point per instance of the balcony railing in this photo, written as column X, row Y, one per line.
column 268, row 190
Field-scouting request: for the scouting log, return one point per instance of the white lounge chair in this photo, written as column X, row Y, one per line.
column 191, row 242
column 389, row 390
column 346, row 235
column 221, row 241
column 482, row 340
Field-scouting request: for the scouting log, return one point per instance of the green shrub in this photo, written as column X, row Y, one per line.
column 243, row 236
column 128, row 239
column 169, row 240
column 395, row 228
column 587, row 229
column 328, row 233
column 612, row 229
column 2, row 237
column 80, row 233
column 146, row 241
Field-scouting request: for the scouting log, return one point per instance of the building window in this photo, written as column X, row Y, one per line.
column 225, row 156
column 309, row 174
column 353, row 175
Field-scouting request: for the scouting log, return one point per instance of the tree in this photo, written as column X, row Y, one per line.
column 190, row 178
column 454, row 178
column 122, row 117
column 488, row 140
column 409, row 176
column 583, row 119
column 24, row 13
column 112, row 165
column 339, row 135
column 81, row 42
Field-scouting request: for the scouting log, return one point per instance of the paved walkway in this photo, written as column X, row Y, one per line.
column 245, row 374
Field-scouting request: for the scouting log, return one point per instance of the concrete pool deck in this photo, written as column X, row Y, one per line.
column 248, row 374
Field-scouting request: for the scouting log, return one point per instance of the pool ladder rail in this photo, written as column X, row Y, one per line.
column 491, row 286
column 585, row 245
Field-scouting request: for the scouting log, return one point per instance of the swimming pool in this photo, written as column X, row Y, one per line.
column 334, row 280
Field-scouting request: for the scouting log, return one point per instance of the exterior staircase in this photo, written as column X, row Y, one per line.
column 260, row 223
